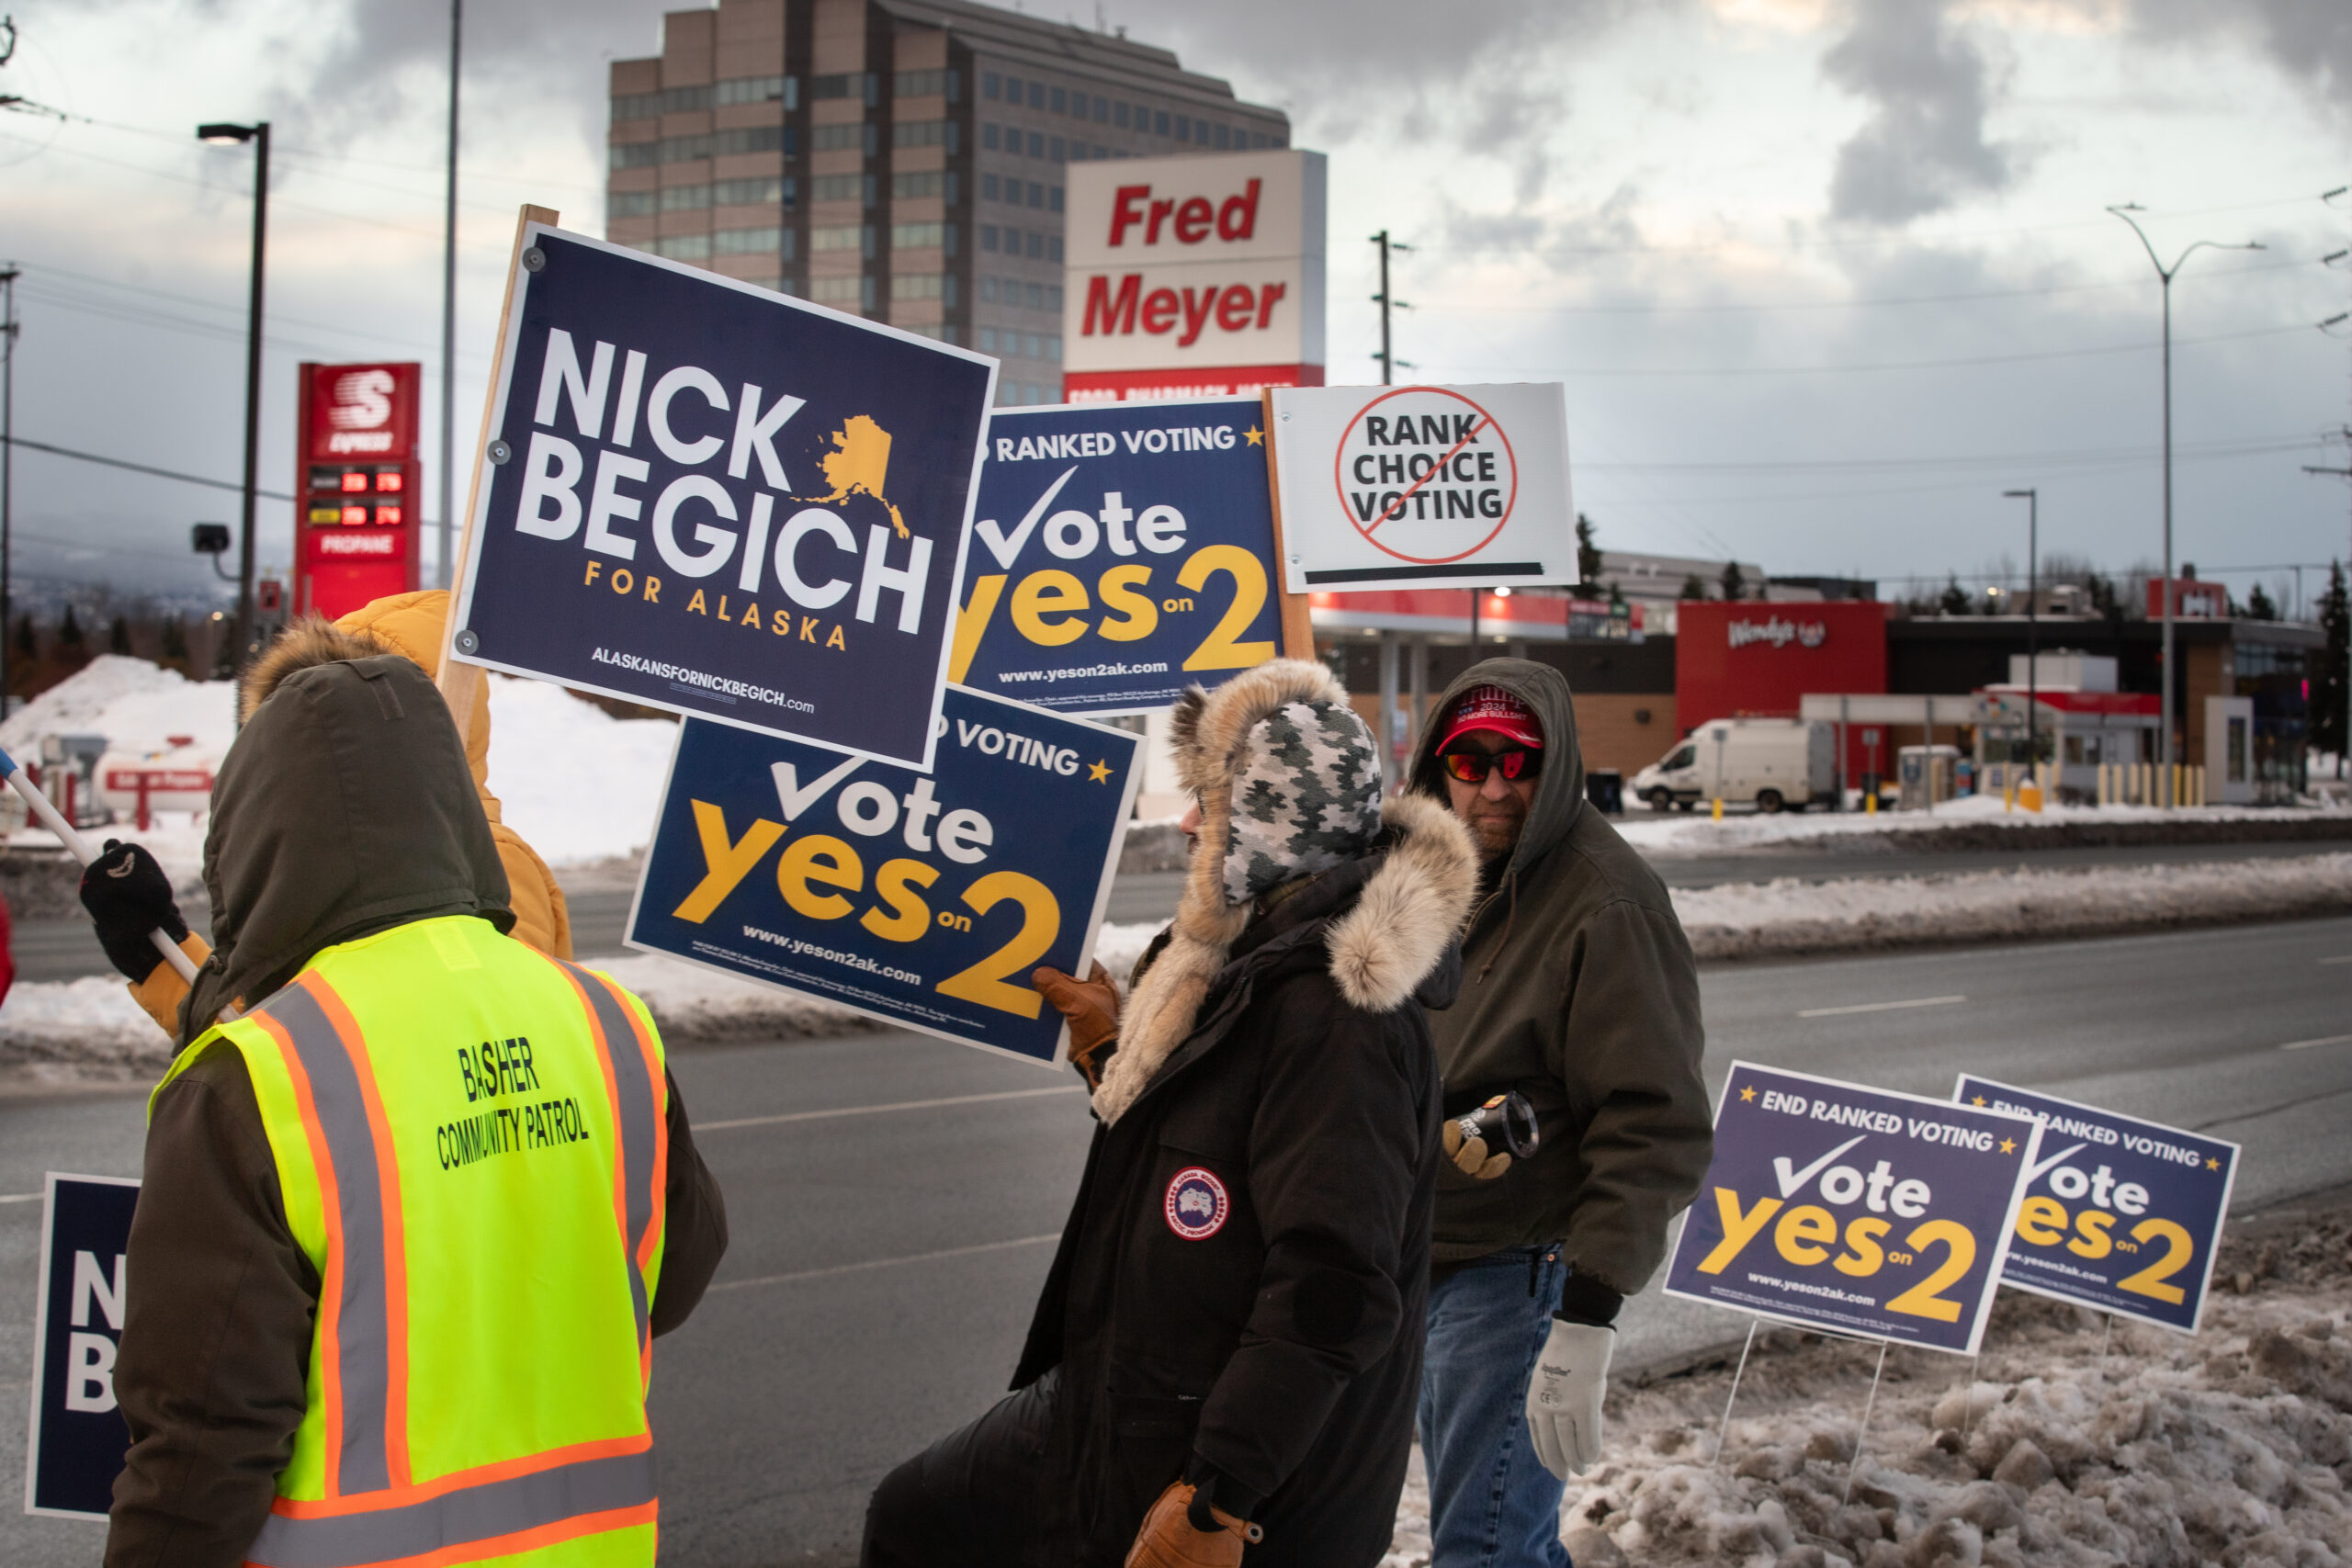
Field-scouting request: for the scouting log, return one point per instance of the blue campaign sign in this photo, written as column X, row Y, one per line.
column 2120, row 1214
column 1122, row 552
column 78, row 1439
column 921, row 899
column 1855, row 1210
column 711, row 498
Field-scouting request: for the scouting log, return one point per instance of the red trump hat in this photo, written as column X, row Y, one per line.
column 1491, row 707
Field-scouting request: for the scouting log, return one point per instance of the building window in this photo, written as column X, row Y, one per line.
column 1101, row 152
column 684, row 247
column 909, row 187
column 1118, row 116
column 918, row 84
column 636, row 154
column 1160, row 123
column 1078, row 151
column 750, row 242
column 836, row 290
column 1060, row 104
column 991, row 84
column 842, row 188
column 987, row 134
column 1036, row 193
column 988, row 187
column 1101, row 111
column 1224, row 137
column 676, row 100
column 1054, row 199
column 1036, row 144
column 755, row 138
column 923, row 286
column 917, row 236
column 1183, row 129
column 1035, row 245
column 836, row 138
column 847, row 85
column 1012, row 89
column 684, row 198
column 1053, row 247
column 1057, row 153
column 924, row 133
column 1256, row 139
column 1036, row 95
column 1053, row 297
column 1053, row 345
column 1035, row 294
column 768, row 192
column 757, row 90
column 685, row 149
column 987, row 236
column 837, row 237
column 987, row 334
column 637, row 106
column 631, row 204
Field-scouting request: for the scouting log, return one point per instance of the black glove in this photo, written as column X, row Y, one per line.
column 128, row 895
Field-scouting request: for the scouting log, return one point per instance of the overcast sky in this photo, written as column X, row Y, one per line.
column 1821, row 279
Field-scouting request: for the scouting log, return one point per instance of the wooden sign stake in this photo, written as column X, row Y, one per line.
column 1298, row 625
column 459, row 684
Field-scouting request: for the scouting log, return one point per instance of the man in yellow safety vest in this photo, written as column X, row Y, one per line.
column 411, row 1221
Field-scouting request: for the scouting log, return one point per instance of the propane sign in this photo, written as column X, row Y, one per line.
column 356, row 474
column 1120, row 555
column 1195, row 277
column 1401, row 487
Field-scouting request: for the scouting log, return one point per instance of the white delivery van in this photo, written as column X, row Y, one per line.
column 1772, row 762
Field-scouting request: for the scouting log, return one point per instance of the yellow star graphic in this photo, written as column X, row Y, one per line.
column 1257, row 436
column 2009, row 1145
column 1748, row 1094
column 2212, row 1165
column 1099, row 772
column 1980, row 1099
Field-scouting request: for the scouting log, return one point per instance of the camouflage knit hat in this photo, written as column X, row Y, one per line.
column 1308, row 799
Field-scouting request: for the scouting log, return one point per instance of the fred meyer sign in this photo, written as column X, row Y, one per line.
column 1199, row 277
column 713, row 499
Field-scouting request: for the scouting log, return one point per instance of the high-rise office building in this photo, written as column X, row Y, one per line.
column 902, row 159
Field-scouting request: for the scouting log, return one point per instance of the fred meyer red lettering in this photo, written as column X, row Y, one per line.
column 1132, row 207
column 1235, row 308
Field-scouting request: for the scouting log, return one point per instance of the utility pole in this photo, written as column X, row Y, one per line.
column 2166, row 275
column 2340, row 473
column 449, row 308
column 259, row 134
column 8, row 461
column 1388, row 361
column 2033, row 499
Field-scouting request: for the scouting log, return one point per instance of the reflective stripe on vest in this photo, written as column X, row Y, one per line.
column 372, row 1511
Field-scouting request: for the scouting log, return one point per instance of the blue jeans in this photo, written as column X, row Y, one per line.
column 1492, row 1504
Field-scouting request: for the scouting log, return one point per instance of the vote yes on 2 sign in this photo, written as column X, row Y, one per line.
column 1121, row 553
column 1856, row 1210
column 714, row 499
column 921, row 899
column 2119, row 1214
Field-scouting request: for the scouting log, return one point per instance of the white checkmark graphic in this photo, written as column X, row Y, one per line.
column 1791, row 1181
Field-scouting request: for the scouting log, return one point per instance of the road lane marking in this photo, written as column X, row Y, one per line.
column 1881, row 1007
column 2344, row 958
column 877, row 1109
column 20, row 1197
column 2322, row 1039
column 884, row 1263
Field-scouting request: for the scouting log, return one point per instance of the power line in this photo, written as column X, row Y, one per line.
column 31, row 446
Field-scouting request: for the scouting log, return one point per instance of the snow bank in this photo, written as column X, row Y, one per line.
column 578, row 784
column 1789, row 916
column 138, row 707
column 2229, row 1448
column 80, row 1030
column 1699, row 833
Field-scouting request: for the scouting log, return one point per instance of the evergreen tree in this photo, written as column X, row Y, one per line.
column 69, row 633
column 174, row 638
column 1692, row 588
column 2258, row 606
column 2333, row 676
column 118, row 636
column 1955, row 601
column 2103, row 596
column 1588, row 553
column 1734, row 583
column 26, row 651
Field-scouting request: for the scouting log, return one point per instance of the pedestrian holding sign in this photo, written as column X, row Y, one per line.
column 1427, row 486
column 2120, row 1214
column 1122, row 553
column 921, row 899
column 78, row 1438
column 1860, row 1211
column 711, row 498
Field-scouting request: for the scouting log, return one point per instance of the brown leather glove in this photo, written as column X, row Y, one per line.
column 1170, row 1539
column 1092, row 1005
column 1469, row 1155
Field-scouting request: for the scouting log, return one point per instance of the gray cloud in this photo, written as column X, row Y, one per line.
column 1923, row 148
column 2309, row 40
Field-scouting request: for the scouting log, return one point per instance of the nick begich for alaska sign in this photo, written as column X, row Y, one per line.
column 709, row 498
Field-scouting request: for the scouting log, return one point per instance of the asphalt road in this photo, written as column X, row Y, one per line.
column 893, row 1197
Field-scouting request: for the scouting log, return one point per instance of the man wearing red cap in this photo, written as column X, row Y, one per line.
column 1580, row 995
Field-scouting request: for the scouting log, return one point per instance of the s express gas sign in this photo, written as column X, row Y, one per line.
column 1197, row 277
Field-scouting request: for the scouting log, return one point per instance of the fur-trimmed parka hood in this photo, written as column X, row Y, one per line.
column 1399, row 930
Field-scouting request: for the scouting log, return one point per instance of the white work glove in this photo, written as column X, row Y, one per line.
column 1564, row 1396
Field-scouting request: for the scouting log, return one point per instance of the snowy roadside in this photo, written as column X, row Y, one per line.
column 2231, row 1446
column 1675, row 833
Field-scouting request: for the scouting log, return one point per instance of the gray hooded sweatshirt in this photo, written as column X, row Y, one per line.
column 1579, row 991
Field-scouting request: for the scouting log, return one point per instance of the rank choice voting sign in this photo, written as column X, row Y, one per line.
column 711, row 498
column 2119, row 1214
column 924, row 899
column 1401, row 487
column 78, row 1439
column 1859, row 1211
column 1123, row 552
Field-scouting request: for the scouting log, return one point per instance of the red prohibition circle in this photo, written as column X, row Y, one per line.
column 1340, row 481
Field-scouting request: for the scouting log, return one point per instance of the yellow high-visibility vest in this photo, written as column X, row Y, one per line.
column 470, row 1139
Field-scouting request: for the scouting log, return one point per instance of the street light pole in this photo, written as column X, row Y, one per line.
column 1388, row 361
column 449, row 305
column 2166, row 275
column 2032, row 496
column 259, row 134
column 7, row 462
